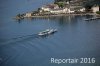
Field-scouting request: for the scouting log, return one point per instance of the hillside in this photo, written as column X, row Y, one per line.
column 83, row 2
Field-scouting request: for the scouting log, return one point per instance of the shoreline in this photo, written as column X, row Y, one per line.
column 58, row 15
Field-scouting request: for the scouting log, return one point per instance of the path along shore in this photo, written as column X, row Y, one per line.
column 57, row 15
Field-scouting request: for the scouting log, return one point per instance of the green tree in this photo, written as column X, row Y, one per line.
column 98, row 12
column 60, row 4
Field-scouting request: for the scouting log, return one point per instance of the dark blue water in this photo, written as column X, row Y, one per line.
column 20, row 46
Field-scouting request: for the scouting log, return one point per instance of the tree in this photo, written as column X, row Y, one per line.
column 60, row 4
column 90, row 3
column 98, row 12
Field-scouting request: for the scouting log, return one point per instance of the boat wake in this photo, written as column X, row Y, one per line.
column 43, row 34
column 24, row 38
column 19, row 39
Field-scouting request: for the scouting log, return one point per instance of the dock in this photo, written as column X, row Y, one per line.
column 92, row 19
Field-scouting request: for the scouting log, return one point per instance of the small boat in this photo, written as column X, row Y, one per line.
column 47, row 32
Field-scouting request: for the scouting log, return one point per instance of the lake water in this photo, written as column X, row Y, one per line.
column 20, row 46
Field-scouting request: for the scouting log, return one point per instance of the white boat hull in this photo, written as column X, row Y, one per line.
column 47, row 32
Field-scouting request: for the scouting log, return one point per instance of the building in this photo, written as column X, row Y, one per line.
column 56, row 11
column 95, row 9
column 70, row 9
column 65, row 10
column 49, row 7
column 82, row 10
column 73, row 9
column 28, row 14
column 45, row 8
column 54, row 8
column 59, row 11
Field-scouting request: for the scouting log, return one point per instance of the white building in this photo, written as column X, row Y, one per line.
column 73, row 9
column 49, row 7
column 59, row 11
column 68, row 2
column 28, row 14
column 82, row 10
column 56, row 11
column 65, row 10
column 62, row 10
column 45, row 8
column 95, row 8
column 53, row 8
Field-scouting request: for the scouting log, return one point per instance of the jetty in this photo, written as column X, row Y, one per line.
column 92, row 19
